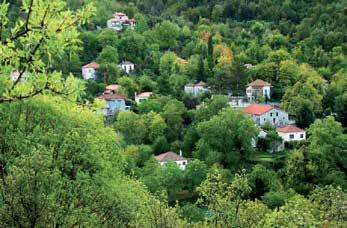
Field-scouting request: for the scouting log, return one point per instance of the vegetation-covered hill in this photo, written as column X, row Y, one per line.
column 63, row 165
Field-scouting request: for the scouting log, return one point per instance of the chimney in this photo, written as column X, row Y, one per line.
column 180, row 152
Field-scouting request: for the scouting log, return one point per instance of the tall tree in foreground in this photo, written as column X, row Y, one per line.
column 43, row 33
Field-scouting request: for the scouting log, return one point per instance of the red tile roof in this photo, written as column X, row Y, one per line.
column 201, row 83
column 108, row 97
column 112, row 87
column 144, row 94
column 169, row 156
column 259, row 83
column 92, row 65
column 257, row 109
column 289, row 129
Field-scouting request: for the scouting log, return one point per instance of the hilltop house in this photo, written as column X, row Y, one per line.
column 196, row 89
column 114, row 103
column 258, row 88
column 89, row 70
column 261, row 114
column 171, row 156
column 291, row 133
column 119, row 21
column 127, row 66
column 139, row 98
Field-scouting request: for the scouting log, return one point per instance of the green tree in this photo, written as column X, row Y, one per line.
column 195, row 172
column 227, row 134
column 32, row 42
column 167, row 34
column 173, row 113
column 131, row 127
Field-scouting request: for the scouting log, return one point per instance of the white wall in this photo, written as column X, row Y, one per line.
column 139, row 100
column 296, row 136
column 181, row 164
column 275, row 117
column 127, row 67
column 88, row 73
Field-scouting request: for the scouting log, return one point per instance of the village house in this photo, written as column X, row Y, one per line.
column 261, row 114
column 114, row 103
column 196, row 89
column 89, row 70
column 119, row 21
column 237, row 101
column 139, row 98
column 127, row 66
column 291, row 133
column 258, row 88
column 171, row 156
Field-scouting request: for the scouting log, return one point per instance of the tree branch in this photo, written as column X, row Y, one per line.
column 26, row 25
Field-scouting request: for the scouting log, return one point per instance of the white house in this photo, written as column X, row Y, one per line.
column 291, row 133
column 237, row 101
column 89, row 70
column 261, row 114
column 119, row 21
column 258, row 88
column 196, row 89
column 139, row 98
column 114, row 103
column 127, row 66
column 171, row 156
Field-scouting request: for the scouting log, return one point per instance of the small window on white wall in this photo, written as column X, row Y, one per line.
column 291, row 136
column 301, row 136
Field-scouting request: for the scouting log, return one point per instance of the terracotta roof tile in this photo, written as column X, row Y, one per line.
column 257, row 109
column 169, row 156
column 108, row 97
column 112, row 87
column 92, row 65
column 144, row 94
column 259, row 83
column 289, row 129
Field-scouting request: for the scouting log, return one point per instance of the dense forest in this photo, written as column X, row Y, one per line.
column 65, row 163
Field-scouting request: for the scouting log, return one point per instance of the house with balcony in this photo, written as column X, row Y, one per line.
column 258, row 88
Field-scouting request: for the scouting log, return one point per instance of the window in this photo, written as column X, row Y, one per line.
column 274, row 120
column 291, row 136
column 270, row 113
column 301, row 136
column 183, row 163
column 276, row 113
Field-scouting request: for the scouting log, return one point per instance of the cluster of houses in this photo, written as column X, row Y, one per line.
column 264, row 113
column 121, row 21
column 116, row 102
column 90, row 70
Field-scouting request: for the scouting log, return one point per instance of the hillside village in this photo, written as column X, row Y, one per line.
column 173, row 113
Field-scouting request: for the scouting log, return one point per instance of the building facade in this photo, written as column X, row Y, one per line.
column 127, row 66
column 181, row 161
column 258, row 88
column 291, row 133
column 89, row 70
column 262, row 114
